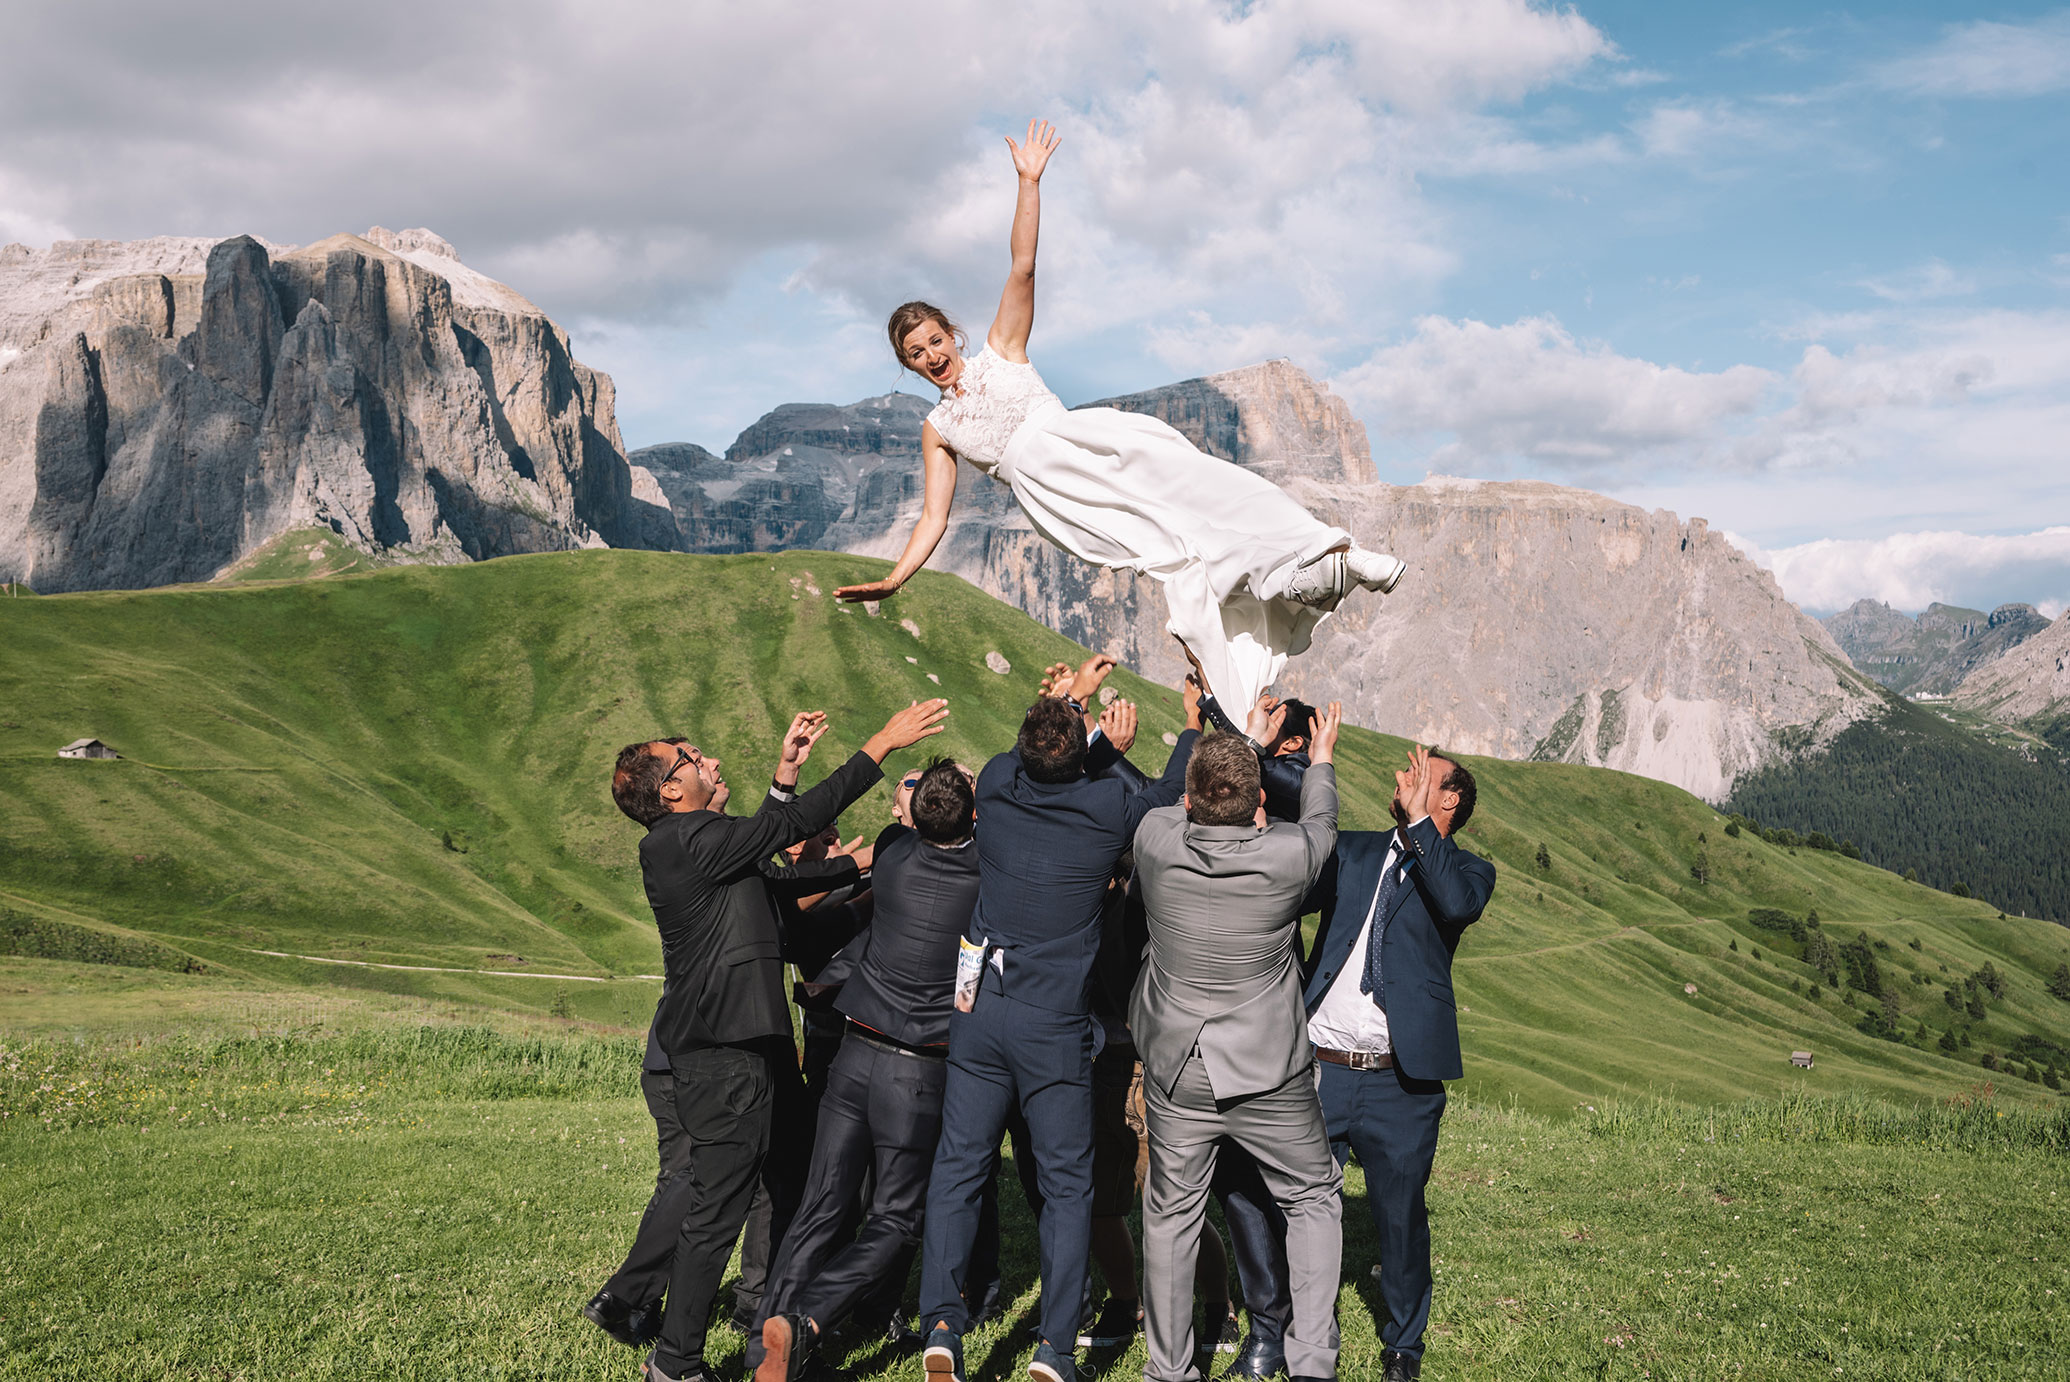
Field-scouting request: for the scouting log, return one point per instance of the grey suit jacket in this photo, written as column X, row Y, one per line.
column 1223, row 968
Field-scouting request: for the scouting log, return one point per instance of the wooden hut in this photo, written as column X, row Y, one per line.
column 1801, row 1059
column 87, row 748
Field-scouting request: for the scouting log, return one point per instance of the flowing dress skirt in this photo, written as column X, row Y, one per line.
column 1126, row 490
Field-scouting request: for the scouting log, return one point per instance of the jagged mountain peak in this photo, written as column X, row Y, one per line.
column 1933, row 653
column 405, row 241
column 2030, row 682
column 170, row 405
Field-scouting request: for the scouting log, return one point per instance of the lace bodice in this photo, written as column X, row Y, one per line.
column 997, row 397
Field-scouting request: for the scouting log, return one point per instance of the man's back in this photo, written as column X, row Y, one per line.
column 1045, row 853
column 1223, row 905
column 904, row 982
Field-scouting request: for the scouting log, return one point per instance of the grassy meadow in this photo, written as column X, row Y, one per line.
column 434, row 1201
column 319, row 1009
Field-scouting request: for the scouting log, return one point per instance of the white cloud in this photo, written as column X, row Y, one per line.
column 627, row 163
column 1933, row 279
column 1986, row 58
column 1529, row 391
column 1910, row 571
column 1921, row 400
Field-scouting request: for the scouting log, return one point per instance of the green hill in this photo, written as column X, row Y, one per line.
column 407, row 768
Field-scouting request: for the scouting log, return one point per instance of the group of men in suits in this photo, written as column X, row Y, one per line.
column 967, row 1004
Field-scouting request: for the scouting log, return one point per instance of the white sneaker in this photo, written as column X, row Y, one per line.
column 1375, row 570
column 1321, row 583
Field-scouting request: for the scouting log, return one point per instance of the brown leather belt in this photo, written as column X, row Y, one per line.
column 1357, row 1060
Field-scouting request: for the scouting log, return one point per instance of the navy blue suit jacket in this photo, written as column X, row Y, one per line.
column 1446, row 890
column 1045, row 853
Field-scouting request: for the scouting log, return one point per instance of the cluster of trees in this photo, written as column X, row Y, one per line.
column 1736, row 825
column 1967, row 1000
column 1921, row 797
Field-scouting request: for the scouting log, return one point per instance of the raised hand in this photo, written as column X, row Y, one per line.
column 1085, row 682
column 875, row 590
column 1264, row 721
column 1418, row 788
column 1322, row 745
column 1056, row 681
column 1118, row 723
column 806, row 728
column 1031, row 158
column 908, row 727
column 1189, row 699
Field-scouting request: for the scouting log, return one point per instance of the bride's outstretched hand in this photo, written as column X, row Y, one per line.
column 875, row 590
column 1031, row 158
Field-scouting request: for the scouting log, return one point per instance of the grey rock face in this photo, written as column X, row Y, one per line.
column 2031, row 682
column 789, row 477
column 1535, row 621
column 167, row 406
column 1271, row 418
column 1932, row 654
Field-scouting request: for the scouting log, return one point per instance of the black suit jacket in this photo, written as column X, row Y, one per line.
column 903, row 983
column 1045, row 853
column 721, row 945
column 1445, row 891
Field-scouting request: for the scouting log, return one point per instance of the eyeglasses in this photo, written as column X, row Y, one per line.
column 683, row 756
column 910, row 783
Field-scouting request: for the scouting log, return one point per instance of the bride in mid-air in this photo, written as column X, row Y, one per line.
column 1247, row 572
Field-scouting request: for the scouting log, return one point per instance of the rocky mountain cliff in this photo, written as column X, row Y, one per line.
column 1929, row 655
column 1536, row 620
column 2031, row 683
column 169, row 405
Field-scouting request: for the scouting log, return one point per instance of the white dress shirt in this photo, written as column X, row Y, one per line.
column 1348, row 1019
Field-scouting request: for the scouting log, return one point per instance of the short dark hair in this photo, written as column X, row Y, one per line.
column 636, row 781
column 1052, row 741
column 1222, row 781
column 1299, row 723
column 1459, row 780
column 944, row 805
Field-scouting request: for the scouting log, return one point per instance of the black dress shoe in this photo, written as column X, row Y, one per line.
column 621, row 1320
column 1399, row 1367
column 787, row 1342
column 1258, row 1359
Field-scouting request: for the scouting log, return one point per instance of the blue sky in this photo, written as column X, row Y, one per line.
column 1802, row 272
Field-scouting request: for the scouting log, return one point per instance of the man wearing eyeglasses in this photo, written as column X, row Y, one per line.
column 724, row 1019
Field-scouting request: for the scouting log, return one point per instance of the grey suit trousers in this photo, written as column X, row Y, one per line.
column 1283, row 1128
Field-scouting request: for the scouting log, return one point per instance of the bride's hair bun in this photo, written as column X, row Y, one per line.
column 916, row 314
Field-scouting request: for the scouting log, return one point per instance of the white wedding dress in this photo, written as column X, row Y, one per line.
column 1126, row 490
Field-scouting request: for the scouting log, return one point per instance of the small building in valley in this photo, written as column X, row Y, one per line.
column 1801, row 1059
column 87, row 748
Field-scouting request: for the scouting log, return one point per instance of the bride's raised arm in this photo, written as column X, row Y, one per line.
column 940, row 466
column 1009, row 334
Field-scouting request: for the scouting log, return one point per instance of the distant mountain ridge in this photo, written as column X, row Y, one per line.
column 1537, row 621
column 2030, row 684
column 1931, row 654
column 168, row 406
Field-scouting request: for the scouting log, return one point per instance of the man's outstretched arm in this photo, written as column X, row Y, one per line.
column 729, row 844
